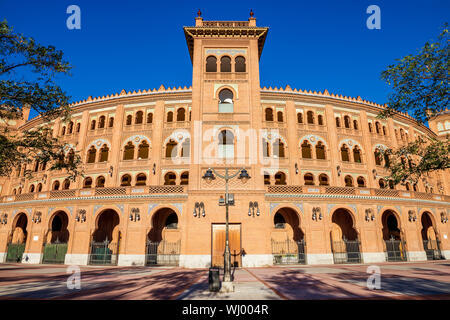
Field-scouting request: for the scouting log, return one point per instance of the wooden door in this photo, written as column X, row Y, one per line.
column 218, row 244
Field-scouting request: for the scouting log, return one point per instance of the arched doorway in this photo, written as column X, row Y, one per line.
column 164, row 239
column 395, row 246
column 431, row 243
column 17, row 239
column 105, row 239
column 344, row 238
column 56, row 238
column 288, row 239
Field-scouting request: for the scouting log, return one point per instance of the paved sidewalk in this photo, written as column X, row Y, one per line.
column 420, row 280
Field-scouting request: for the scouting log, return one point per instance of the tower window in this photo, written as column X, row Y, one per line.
column 211, row 64
column 225, row 64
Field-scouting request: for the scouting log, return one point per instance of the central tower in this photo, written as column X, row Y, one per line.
column 225, row 91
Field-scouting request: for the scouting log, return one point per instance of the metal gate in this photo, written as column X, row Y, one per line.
column 54, row 252
column 162, row 253
column 346, row 251
column 432, row 249
column 395, row 250
column 104, row 253
column 289, row 252
column 15, row 252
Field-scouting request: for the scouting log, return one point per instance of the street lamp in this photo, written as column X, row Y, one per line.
column 227, row 284
column 251, row 209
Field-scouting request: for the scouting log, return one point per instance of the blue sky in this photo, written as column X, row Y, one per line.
column 313, row 45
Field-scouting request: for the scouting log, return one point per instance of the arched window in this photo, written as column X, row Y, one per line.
column 170, row 178
column 347, row 122
column 128, row 152
column 402, row 134
column 280, row 116
column 378, row 158
column 377, row 127
column 320, row 150
column 309, row 179
column 355, row 124
column 39, row 187
column 36, row 166
column 92, row 152
column 125, row 181
column 348, row 181
column 55, row 185
column 31, row 188
column 87, row 183
column 407, row 186
column 361, row 182
column 310, row 117
column 280, row 178
column 78, row 127
column 211, row 64
column 278, row 149
column 139, row 117
column 382, row 183
column 104, row 151
column 320, row 120
column 226, row 144
column 344, row 153
column 269, row 114
column 225, row 64
column 306, row 150
column 93, row 123
column 171, row 149
column 100, row 182
column 150, row 117
column 266, row 178
column 170, row 116
column 143, row 150
column 63, row 131
column 186, row 148
column 370, row 127
column 384, row 130
column 265, row 147
column 101, row 122
column 415, row 187
column 239, row 64
column 141, row 179
column 300, row 117
column 323, row 180
column 357, row 154
column 391, row 184
column 184, row 178
column 111, row 122
column 226, row 100
column 338, row 122
column 181, row 114
column 70, row 128
column 19, row 191
column 129, row 120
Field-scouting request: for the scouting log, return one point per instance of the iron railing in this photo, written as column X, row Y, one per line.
column 433, row 249
column 395, row 250
column 104, row 253
column 162, row 253
column 289, row 252
column 346, row 251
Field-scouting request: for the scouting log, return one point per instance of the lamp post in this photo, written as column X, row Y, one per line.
column 243, row 176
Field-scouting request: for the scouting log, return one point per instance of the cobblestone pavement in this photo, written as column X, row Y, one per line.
column 424, row 280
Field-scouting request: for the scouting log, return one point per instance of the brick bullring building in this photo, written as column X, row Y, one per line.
column 316, row 192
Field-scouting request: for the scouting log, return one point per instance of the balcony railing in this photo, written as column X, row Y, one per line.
column 91, row 192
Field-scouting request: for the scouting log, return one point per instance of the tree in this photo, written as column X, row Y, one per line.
column 27, row 72
column 420, row 85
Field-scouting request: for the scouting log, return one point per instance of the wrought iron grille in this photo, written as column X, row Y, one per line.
column 395, row 250
column 432, row 249
column 346, row 251
column 289, row 252
column 162, row 253
column 104, row 253
column 15, row 252
column 54, row 252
